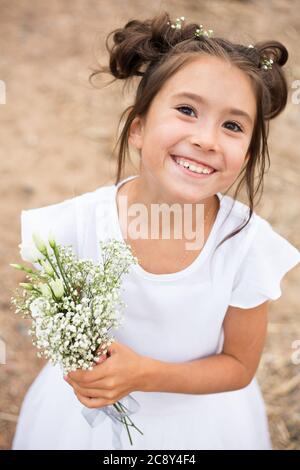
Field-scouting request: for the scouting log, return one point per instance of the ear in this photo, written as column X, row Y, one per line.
column 136, row 133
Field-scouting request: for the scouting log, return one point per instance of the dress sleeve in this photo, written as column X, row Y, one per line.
column 268, row 258
column 58, row 219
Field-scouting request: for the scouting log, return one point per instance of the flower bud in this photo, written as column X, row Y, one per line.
column 51, row 240
column 17, row 266
column 26, row 285
column 47, row 267
column 45, row 290
column 29, row 252
column 57, row 287
column 39, row 243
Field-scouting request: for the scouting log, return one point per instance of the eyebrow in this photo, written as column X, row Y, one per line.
column 201, row 100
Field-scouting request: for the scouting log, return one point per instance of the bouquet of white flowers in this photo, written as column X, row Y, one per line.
column 73, row 304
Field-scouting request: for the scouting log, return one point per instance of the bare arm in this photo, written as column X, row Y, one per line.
column 244, row 338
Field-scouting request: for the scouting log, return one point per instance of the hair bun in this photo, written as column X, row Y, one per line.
column 273, row 50
column 136, row 44
column 275, row 98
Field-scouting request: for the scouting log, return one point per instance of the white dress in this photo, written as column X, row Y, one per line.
column 173, row 317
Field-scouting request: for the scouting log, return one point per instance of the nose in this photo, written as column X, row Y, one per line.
column 205, row 137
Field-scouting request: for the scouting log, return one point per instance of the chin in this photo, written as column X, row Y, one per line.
column 187, row 196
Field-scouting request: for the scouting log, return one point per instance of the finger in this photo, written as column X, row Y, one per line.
column 82, row 377
column 99, row 383
column 100, row 359
column 90, row 392
column 93, row 402
column 105, row 385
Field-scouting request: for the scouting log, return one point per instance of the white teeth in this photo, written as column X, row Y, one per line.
column 194, row 168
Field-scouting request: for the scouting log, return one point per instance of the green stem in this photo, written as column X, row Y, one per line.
column 38, row 276
column 61, row 269
column 36, row 290
column 132, row 424
column 52, row 264
column 124, row 422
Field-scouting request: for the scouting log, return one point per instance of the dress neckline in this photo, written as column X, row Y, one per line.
column 178, row 274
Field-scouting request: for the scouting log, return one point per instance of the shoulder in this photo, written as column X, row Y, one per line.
column 236, row 210
column 234, row 216
column 69, row 205
column 63, row 218
column 257, row 237
column 259, row 257
column 236, row 213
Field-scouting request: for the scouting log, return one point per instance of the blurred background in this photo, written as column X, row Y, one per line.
column 57, row 133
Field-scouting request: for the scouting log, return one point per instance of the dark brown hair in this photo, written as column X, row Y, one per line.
column 154, row 51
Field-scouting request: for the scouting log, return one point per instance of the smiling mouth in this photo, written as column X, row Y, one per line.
column 194, row 169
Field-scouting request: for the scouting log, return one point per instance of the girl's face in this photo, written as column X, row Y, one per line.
column 205, row 127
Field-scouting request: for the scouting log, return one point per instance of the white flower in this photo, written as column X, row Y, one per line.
column 29, row 252
column 51, row 240
column 47, row 267
column 37, row 307
column 39, row 243
column 45, row 290
column 57, row 287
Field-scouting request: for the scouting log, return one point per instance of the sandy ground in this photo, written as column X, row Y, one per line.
column 57, row 134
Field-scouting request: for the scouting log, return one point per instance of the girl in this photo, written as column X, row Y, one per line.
column 196, row 319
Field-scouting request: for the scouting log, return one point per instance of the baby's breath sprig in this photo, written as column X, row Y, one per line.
column 177, row 24
column 202, row 32
column 266, row 63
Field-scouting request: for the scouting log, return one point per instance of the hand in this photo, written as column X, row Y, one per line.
column 110, row 380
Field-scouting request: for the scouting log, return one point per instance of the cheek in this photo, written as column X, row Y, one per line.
column 150, row 159
column 235, row 157
column 235, row 164
column 158, row 143
column 165, row 134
